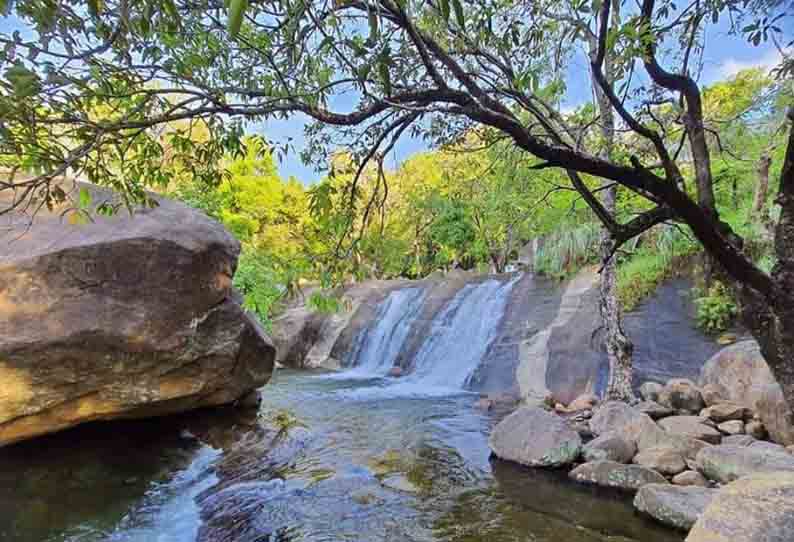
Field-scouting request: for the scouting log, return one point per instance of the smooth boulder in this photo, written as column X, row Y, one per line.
column 127, row 316
column 616, row 475
column 758, row 508
column 535, row 437
column 675, row 506
column 727, row 463
column 742, row 375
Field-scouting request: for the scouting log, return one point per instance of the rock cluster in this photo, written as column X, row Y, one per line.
column 689, row 451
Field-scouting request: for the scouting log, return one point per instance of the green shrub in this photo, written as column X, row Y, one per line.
column 716, row 310
column 259, row 283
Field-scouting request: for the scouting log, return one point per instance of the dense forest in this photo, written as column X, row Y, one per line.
column 474, row 203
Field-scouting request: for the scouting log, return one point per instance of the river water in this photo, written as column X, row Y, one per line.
column 326, row 458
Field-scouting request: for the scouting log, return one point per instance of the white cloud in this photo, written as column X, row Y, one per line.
column 731, row 66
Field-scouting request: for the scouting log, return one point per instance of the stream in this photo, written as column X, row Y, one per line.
column 365, row 459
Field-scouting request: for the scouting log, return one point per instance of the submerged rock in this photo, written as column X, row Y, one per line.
column 726, row 463
column 535, row 437
column 758, row 508
column 676, row 506
column 617, row 475
column 121, row 317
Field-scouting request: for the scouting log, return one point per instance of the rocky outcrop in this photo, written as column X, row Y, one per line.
column 758, row 508
column 535, row 437
column 120, row 317
column 741, row 375
column 616, row 475
column 676, row 506
column 727, row 463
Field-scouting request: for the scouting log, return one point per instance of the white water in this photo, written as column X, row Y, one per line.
column 379, row 345
column 455, row 345
column 461, row 335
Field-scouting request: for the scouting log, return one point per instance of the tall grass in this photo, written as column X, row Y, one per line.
column 564, row 252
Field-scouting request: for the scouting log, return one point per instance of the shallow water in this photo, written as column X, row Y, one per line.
column 360, row 460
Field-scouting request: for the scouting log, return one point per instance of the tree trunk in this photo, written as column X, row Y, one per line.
column 759, row 202
column 618, row 346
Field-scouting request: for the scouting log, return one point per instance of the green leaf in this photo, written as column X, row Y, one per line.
column 459, row 13
column 444, row 5
column 236, row 11
column 84, row 200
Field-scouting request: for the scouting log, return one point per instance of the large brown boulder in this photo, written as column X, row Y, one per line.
column 120, row 317
column 741, row 375
column 758, row 508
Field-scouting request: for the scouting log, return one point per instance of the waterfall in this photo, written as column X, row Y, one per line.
column 378, row 346
column 460, row 335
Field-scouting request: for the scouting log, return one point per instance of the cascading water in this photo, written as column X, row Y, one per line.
column 454, row 347
column 378, row 346
column 460, row 335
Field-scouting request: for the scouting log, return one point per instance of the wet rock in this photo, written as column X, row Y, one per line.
column 725, row 411
column 609, row 446
column 738, row 440
column 617, row 475
column 395, row 372
column 535, row 437
column 691, row 426
column 732, row 427
column 654, row 410
column 682, row 395
column 726, row 463
column 676, row 506
column 758, row 508
column 690, row 478
column 650, row 391
column 741, row 371
column 755, row 429
column 127, row 316
column 662, row 459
